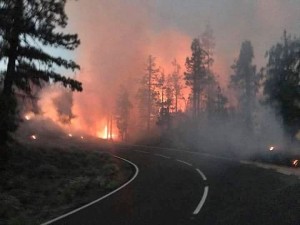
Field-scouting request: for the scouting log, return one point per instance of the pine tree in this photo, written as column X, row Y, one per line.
column 175, row 83
column 281, row 86
column 208, row 45
column 26, row 27
column 122, row 112
column 245, row 80
column 196, row 75
column 211, row 89
column 148, row 95
column 165, row 101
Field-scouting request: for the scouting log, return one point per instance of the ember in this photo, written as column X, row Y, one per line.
column 295, row 163
column 33, row 137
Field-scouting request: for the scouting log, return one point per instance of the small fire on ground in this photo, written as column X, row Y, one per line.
column 272, row 148
column 33, row 137
column 295, row 163
column 28, row 116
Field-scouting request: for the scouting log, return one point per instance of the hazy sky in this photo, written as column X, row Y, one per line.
column 260, row 21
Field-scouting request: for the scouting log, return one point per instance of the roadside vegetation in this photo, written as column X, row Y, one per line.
column 37, row 184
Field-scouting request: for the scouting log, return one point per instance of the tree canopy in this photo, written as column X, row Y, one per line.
column 27, row 27
column 282, row 81
column 196, row 75
column 245, row 80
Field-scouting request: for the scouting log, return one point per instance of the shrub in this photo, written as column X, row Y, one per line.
column 75, row 187
column 9, row 205
column 100, row 181
column 110, row 169
column 46, row 170
column 112, row 184
column 19, row 220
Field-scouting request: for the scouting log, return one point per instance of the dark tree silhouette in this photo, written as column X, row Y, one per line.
column 26, row 27
column 175, row 83
column 208, row 45
column 122, row 112
column 148, row 96
column 281, row 86
column 246, row 81
column 196, row 75
column 165, row 102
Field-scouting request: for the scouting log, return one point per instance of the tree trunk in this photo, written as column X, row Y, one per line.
column 14, row 42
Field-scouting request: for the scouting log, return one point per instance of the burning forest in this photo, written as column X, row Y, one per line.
column 146, row 76
column 196, row 76
column 150, row 76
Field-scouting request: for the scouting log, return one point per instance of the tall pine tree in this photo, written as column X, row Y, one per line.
column 196, row 75
column 26, row 28
column 148, row 95
column 245, row 80
column 122, row 112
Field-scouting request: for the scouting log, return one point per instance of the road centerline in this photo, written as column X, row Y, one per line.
column 184, row 162
column 201, row 174
column 163, row 156
column 140, row 151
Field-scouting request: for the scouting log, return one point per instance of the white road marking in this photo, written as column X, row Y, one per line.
column 206, row 188
column 142, row 151
column 166, row 157
column 184, row 162
column 202, row 201
column 99, row 199
column 201, row 174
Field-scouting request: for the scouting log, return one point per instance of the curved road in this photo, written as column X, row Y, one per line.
column 181, row 188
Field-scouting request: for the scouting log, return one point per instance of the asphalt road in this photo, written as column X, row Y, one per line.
column 181, row 188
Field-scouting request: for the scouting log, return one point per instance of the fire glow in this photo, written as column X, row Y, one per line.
column 103, row 134
column 106, row 134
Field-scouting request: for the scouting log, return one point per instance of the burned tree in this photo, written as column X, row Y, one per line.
column 26, row 27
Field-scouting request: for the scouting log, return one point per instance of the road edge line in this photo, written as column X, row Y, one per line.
column 202, row 201
column 101, row 198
